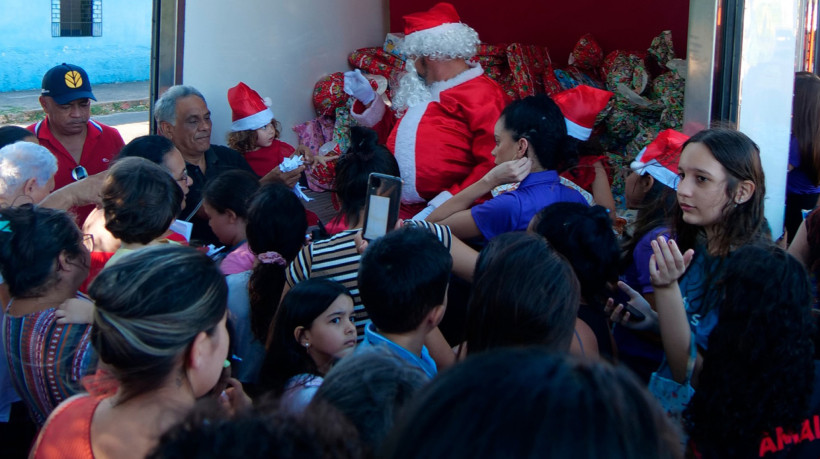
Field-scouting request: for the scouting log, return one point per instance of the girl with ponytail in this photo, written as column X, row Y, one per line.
column 364, row 157
column 276, row 232
column 532, row 146
column 337, row 258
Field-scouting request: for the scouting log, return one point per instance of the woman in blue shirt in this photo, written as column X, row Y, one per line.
column 532, row 146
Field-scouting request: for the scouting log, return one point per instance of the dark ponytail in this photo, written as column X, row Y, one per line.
column 364, row 157
column 539, row 120
column 276, row 223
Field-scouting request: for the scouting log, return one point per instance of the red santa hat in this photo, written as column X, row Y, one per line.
column 438, row 33
column 580, row 106
column 660, row 158
column 249, row 111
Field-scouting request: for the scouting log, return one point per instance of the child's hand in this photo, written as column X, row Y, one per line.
column 323, row 160
column 509, row 172
column 312, row 159
column 667, row 265
column 620, row 315
column 308, row 156
column 361, row 242
column 75, row 311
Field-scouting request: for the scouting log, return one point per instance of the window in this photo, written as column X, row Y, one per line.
column 76, row 18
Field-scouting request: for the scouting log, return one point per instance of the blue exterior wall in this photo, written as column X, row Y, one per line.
column 27, row 49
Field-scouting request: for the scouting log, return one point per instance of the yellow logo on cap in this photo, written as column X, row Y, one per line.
column 73, row 79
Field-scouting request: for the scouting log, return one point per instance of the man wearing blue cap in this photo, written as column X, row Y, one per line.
column 82, row 146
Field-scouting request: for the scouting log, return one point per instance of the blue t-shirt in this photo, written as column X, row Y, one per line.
column 513, row 210
column 697, row 286
column 374, row 338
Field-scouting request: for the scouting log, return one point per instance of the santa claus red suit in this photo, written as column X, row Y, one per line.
column 444, row 139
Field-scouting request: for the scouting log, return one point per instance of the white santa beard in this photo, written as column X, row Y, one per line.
column 412, row 90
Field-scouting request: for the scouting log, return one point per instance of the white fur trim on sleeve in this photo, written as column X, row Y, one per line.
column 372, row 114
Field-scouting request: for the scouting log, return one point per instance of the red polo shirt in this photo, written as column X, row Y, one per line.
column 102, row 144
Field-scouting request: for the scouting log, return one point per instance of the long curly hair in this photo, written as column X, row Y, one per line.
column 758, row 371
column 245, row 141
column 741, row 223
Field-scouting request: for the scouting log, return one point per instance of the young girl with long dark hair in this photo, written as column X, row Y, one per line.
column 313, row 328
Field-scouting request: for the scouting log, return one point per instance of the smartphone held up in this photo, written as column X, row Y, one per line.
column 382, row 205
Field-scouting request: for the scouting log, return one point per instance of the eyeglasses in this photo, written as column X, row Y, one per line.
column 79, row 173
column 88, row 242
column 183, row 177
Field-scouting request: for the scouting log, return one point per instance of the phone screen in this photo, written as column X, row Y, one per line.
column 382, row 205
column 378, row 209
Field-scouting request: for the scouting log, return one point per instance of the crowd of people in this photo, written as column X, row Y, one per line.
column 502, row 316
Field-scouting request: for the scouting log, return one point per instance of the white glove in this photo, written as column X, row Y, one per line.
column 359, row 87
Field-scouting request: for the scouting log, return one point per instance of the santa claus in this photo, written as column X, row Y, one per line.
column 442, row 130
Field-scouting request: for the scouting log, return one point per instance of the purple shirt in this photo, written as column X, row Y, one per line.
column 513, row 210
column 637, row 274
column 796, row 181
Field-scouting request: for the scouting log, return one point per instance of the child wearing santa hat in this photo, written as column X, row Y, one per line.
column 650, row 188
column 581, row 106
column 255, row 131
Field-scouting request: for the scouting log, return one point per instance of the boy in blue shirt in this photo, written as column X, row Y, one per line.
column 403, row 280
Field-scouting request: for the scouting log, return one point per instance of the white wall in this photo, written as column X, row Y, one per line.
column 27, row 49
column 280, row 48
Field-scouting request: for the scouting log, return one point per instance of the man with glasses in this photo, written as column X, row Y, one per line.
column 183, row 117
column 81, row 145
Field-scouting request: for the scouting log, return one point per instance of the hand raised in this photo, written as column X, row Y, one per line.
column 356, row 85
column 667, row 264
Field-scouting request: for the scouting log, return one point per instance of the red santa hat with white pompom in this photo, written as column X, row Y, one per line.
column 660, row 158
column 438, row 33
column 580, row 106
column 249, row 111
